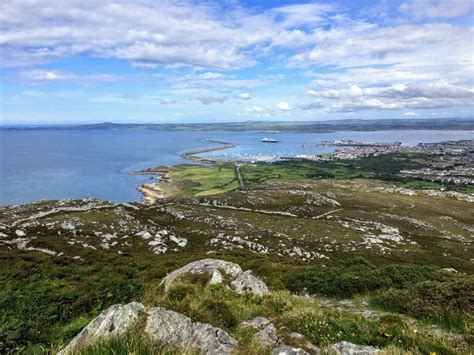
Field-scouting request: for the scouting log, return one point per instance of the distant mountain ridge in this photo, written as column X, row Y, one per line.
column 275, row 126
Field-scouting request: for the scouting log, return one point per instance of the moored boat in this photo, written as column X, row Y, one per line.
column 270, row 140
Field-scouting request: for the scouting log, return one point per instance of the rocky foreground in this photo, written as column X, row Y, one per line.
column 179, row 331
column 282, row 267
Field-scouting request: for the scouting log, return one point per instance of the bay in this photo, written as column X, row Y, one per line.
column 49, row 164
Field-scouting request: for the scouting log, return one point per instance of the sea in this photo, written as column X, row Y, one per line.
column 76, row 164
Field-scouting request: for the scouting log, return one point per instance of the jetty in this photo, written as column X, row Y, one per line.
column 193, row 154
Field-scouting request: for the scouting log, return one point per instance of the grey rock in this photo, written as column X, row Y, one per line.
column 247, row 283
column 347, row 348
column 20, row 233
column 115, row 320
column 174, row 328
column 257, row 322
column 267, row 336
column 242, row 282
column 288, row 350
column 295, row 335
column 181, row 242
column 313, row 348
column 208, row 266
column 450, row 270
column 216, row 278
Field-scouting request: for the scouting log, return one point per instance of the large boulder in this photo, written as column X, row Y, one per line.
column 177, row 329
column 162, row 325
column 242, row 282
column 347, row 348
column 114, row 321
column 205, row 266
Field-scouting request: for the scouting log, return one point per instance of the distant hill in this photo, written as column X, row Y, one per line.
column 277, row 126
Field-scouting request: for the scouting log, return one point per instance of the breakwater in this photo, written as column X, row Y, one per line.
column 193, row 154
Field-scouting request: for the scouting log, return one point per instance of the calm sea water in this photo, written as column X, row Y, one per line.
column 77, row 164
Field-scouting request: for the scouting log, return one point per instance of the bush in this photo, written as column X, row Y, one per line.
column 357, row 276
column 447, row 302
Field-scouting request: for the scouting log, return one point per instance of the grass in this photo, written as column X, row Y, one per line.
column 218, row 305
column 199, row 180
column 326, row 327
column 203, row 180
column 46, row 300
column 357, row 276
column 449, row 302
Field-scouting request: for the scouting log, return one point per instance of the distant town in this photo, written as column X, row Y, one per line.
column 453, row 160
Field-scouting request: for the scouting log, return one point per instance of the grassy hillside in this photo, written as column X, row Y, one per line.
column 368, row 254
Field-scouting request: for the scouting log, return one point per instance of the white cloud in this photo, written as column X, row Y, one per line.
column 436, row 8
column 284, row 106
column 244, row 96
column 410, row 113
column 399, row 63
column 48, row 76
column 134, row 99
column 302, row 14
column 311, row 106
column 364, row 44
column 398, row 96
column 167, row 101
column 144, row 32
column 255, row 108
column 210, row 99
column 210, row 76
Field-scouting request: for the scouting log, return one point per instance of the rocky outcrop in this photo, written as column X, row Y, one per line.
column 174, row 328
column 247, row 283
column 242, row 282
column 162, row 325
column 288, row 350
column 114, row 321
column 346, row 348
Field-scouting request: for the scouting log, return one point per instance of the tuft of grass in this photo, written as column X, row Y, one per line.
column 132, row 343
column 215, row 304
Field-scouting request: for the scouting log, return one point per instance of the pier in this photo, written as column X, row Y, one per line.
column 192, row 155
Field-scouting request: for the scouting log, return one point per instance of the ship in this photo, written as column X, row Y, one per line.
column 270, row 140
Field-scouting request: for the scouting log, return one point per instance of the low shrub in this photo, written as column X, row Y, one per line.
column 448, row 302
column 357, row 276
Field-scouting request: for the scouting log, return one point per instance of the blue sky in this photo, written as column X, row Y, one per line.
column 205, row 61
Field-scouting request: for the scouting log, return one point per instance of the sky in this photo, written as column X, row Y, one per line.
column 159, row 61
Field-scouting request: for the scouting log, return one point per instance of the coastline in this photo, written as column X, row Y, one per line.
column 152, row 191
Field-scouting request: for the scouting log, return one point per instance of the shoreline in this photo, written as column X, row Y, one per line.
column 152, row 191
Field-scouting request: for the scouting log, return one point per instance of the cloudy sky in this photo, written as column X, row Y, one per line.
column 193, row 61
